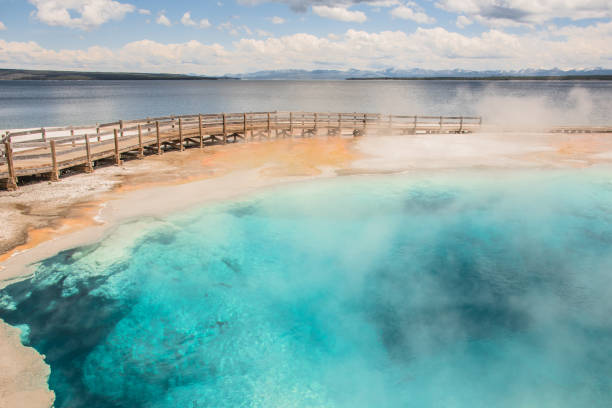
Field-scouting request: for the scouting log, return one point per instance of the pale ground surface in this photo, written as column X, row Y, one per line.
column 44, row 218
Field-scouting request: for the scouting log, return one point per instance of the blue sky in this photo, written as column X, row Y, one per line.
column 233, row 36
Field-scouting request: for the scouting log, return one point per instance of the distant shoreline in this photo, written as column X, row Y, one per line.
column 494, row 78
column 44, row 75
column 54, row 75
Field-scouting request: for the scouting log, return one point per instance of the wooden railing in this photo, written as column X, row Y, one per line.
column 51, row 149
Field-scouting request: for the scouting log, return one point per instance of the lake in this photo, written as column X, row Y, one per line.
column 26, row 104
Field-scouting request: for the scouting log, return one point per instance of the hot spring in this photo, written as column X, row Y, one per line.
column 435, row 289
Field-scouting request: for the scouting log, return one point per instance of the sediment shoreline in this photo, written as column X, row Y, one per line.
column 45, row 219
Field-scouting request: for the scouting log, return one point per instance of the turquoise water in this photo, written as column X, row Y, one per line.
column 458, row 289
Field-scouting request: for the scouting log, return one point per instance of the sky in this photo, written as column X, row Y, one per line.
column 238, row 36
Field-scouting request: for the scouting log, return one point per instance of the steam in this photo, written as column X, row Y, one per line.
column 528, row 112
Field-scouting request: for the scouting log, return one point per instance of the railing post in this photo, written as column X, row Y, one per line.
column 98, row 133
column 316, row 121
column 275, row 125
column 11, row 182
column 140, row 146
column 43, row 131
column 159, row 151
column 117, row 154
column 480, row 121
column 415, row 124
column 181, row 147
column 441, row 118
column 268, row 132
column 224, row 129
column 461, row 125
column 291, row 124
column 88, row 166
column 55, row 170
column 200, row 131
column 72, row 135
column 365, row 121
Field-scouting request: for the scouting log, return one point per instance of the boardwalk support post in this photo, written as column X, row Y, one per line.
column 88, row 166
column 159, row 150
column 117, row 154
column 11, row 182
column 200, row 131
column 54, row 170
column 224, row 129
column 244, row 125
column 181, row 146
column 140, row 146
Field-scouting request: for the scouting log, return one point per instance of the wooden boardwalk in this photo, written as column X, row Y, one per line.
column 48, row 151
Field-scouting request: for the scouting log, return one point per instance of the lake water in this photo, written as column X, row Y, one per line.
column 446, row 289
column 57, row 103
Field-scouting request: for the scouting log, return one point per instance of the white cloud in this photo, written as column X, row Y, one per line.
column 234, row 30
column 144, row 12
column 163, row 20
column 188, row 21
column 89, row 13
column 2, row 26
column 407, row 13
column 277, row 20
column 383, row 3
column 463, row 21
column 304, row 5
column 512, row 12
column 340, row 14
column 432, row 48
column 264, row 33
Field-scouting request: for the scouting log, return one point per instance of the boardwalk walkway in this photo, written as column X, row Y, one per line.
column 47, row 151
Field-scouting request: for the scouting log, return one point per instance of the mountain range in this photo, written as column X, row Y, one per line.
column 417, row 73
